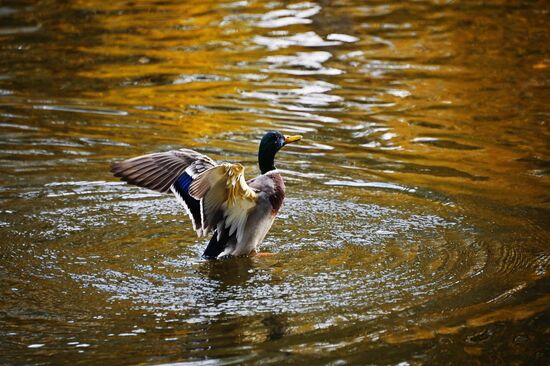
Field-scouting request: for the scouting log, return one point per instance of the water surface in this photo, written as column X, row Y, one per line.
column 416, row 227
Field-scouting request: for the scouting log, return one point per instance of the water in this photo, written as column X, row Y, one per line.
column 416, row 227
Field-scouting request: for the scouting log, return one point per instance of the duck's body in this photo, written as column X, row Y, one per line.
column 216, row 197
column 270, row 193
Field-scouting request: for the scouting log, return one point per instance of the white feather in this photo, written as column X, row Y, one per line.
column 201, row 208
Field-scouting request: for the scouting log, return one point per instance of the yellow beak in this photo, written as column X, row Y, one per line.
column 291, row 139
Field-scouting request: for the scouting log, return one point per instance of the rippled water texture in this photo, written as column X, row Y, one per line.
column 416, row 229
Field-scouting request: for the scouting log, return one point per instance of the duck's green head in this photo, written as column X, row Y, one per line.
column 270, row 144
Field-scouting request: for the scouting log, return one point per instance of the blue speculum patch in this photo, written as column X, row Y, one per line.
column 181, row 186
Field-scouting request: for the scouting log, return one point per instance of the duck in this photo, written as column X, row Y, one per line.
column 219, row 201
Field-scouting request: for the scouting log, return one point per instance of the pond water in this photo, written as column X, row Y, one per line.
column 416, row 228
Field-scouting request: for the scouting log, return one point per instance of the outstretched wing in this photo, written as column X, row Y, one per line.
column 171, row 171
column 225, row 198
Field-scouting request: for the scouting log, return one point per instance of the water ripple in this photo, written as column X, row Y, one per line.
column 415, row 224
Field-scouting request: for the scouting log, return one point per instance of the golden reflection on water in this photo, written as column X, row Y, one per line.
column 416, row 223
column 514, row 313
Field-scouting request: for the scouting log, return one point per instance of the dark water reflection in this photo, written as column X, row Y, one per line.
column 416, row 228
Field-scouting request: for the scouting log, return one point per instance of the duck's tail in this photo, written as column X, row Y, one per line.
column 217, row 244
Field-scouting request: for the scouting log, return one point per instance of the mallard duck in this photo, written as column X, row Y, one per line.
column 216, row 197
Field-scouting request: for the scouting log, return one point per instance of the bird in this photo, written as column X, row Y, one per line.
column 216, row 197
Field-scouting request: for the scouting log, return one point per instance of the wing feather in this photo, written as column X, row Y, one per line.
column 225, row 197
column 159, row 171
column 171, row 171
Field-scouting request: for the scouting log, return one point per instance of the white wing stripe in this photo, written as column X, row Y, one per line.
column 203, row 223
column 179, row 198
